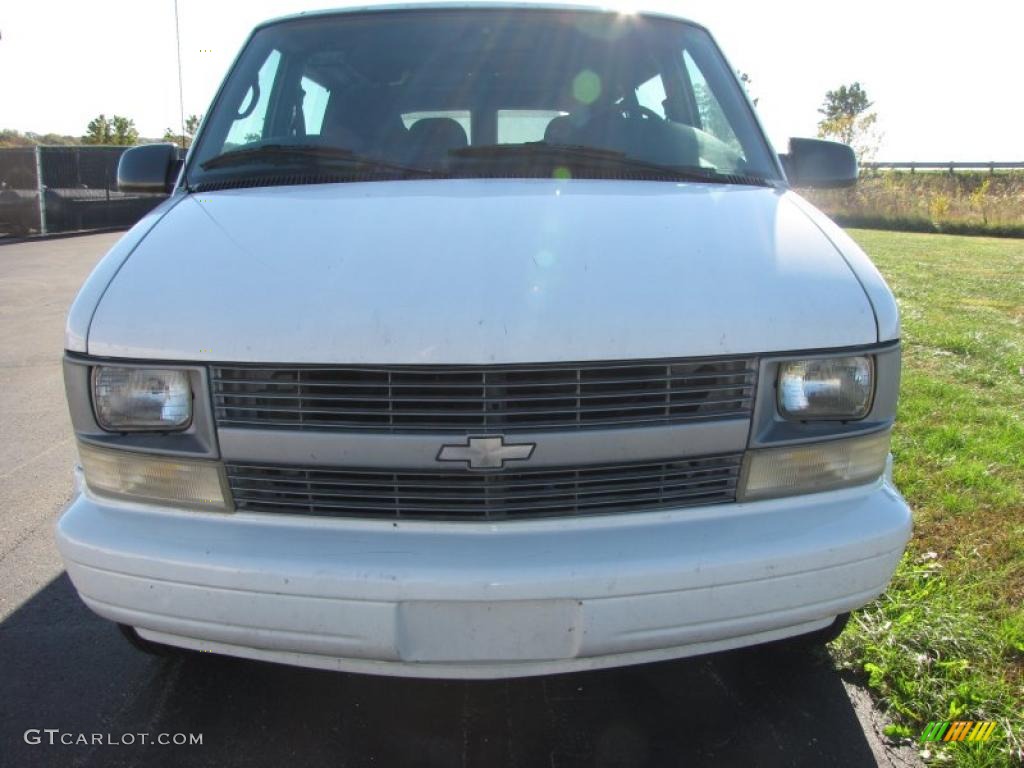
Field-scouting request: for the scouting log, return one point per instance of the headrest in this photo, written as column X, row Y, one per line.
column 438, row 133
column 356, row 117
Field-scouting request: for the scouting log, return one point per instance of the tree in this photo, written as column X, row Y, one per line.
column 12, row 138
column 98, row 131
column 115, row 130
column 191, row 126
column 125, row 133
column 846, row 117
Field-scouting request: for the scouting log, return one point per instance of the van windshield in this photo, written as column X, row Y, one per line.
column 450, row 93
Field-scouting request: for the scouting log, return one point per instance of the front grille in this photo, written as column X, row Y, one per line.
column 464, row 495
column 483, row 398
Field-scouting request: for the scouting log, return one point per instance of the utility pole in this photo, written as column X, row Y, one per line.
column 181, row 87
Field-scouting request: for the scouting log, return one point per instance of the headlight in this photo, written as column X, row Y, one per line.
column 828, row 388
column 813, row 467
column 160, row 479
column 128, row 399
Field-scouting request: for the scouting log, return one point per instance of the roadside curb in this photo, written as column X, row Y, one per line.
column 60, row 235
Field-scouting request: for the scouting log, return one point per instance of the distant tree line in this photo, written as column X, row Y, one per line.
column 115, row 130
column 12, row 138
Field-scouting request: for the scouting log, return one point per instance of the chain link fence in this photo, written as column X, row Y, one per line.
column 46, row 190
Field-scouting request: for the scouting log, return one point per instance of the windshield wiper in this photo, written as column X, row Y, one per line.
column 551, row 153
column 306, row 154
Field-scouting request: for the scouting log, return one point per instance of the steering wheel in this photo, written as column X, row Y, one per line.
column 642, row 113
column 625, row 111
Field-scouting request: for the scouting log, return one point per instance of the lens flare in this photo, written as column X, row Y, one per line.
column 586, row 87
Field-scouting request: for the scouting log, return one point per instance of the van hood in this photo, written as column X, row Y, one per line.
column 479, row 272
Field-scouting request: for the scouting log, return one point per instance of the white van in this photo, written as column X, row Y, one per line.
column 482, row 340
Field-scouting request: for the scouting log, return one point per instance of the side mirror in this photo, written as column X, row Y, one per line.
column 818, row 163
column 148, row 168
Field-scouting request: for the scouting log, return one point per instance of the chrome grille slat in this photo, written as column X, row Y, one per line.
column 483, row 398
column 469, row 371
column 490, row 511
column 464, row 385
column 358, row 478
column 509, row 412
column 453, row 491
column 532, row 497
column 465, row 495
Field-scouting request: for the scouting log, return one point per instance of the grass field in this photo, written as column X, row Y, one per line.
column 946, row 642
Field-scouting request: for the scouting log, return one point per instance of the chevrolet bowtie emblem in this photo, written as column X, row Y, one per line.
column 486, row 452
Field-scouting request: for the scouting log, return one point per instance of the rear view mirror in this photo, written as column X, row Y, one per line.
column 148, row 168
column 818, row 163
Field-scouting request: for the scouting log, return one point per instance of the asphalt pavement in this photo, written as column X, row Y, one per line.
column 69, row 676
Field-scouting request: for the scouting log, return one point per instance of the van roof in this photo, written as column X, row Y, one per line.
column 655, row 9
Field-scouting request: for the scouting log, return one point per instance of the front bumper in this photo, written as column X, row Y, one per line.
column 484, row 600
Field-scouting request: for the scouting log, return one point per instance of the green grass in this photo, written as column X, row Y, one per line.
column 946, row 641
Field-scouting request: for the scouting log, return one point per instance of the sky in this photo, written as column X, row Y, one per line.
column 944, row 76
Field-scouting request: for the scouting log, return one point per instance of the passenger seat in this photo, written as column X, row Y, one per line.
column 431, row 139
